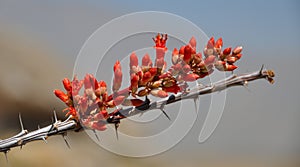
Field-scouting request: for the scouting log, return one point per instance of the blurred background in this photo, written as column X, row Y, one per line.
column 39, row 42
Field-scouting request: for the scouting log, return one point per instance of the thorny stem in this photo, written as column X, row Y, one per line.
column 62, row 127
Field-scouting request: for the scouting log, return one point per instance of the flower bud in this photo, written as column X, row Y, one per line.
column 187, row 54
column 118, row 100
column 220, row 65
column 181, row 50
column 117, row 80
column 143, row 92
column 237, row 50
column 61, row 95
column 219, row 43
column 190, row 77
column 173, row 89
column 238, row 56
column 146, row 61
column 193, row 42
column 197, row 58
column 160, row 63
column 175, row 56
column 67, row 84
column 210, row 43
column 230, row 67
column 231, row 59
column 133, row 60
column 159, row 93
column 134, row 83
column 209, row 60
column 133, row 102
column 227, row 51
column 186, row 68
column 117, row 66
column 99, row 125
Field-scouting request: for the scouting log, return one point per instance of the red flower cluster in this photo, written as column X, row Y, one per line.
column 187, row 66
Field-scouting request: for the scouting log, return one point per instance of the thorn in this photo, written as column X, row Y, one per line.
column 246, row 86
column 64, row 135
column 21, row 123
column 262, row 68
column 141, row 114
column 116, row 128
column 96, row 135
column 44, row 139
column 5, row 153
column 55, row 116
column 164, row 112
column 196, row 100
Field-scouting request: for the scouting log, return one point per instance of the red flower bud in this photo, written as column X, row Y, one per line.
column 118, row 100
column 159, row 93
column 187, row 54
column 146, row 61
column 61, row 95
column 181, row 50
column 67, row 84
column 174, row 89
column 99, row 125
column 227, row 51
column 220, row 65
column 76, row 86
column 134, row 83
column 209, row 60
column 238, row 56
column 153, row 71
column 117, row 80
column 160, row 53
column 72, row 111
column 197, row 58
column 117, row 66
column 83, row 104
column 133, row 60
column 186, row 68
column 133, row 102
column 88, row 81
column 237, row 50
column 146, row 78
column 190, row 77
column 175, row 56
column 101, row 115
column 210, row 43
column 143, row 92
column 193, row 42
column 231, row 59
column 102, row 84
column 160, row 62
column 219, row 43
column 230, row 67
column 177, row 67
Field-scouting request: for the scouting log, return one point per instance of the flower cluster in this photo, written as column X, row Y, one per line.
column 147, row 78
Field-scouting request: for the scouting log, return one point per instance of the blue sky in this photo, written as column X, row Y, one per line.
column 275, row 23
